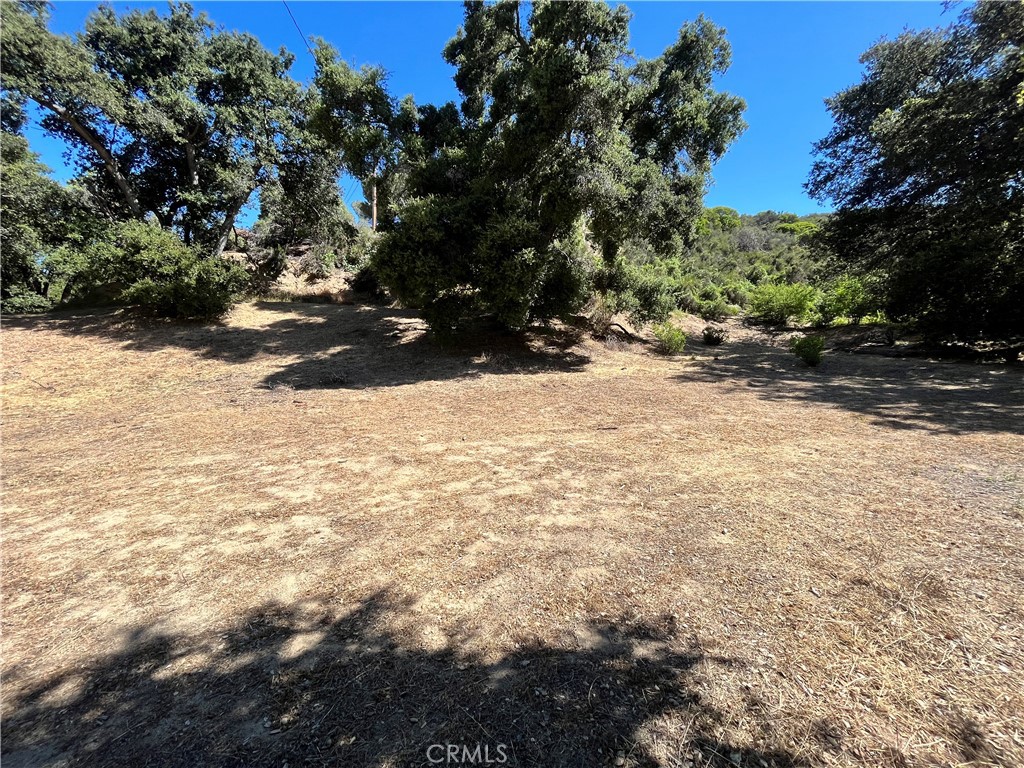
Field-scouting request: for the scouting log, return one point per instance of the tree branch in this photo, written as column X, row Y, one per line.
column 109, row 161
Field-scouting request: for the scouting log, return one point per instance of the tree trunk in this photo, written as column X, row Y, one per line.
column 193, row 171
column 227, row 225
column 109, row 161
column 373, row 203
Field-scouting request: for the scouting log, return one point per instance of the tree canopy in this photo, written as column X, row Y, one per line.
column 563, row 138
column 168, row 116
column 37, row 217
column 926, row 166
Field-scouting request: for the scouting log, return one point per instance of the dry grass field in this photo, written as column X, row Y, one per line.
column 311, row 537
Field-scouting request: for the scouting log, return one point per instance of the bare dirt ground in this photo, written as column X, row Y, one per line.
column 309, row 536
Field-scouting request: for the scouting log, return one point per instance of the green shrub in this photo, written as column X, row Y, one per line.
column 775, row 304
column 875, row 318
column 202, row 288
column 671, row 337
column 844, row 297
column 808, row 348
column 358, row 250
column 457, row 259
column 686, row 301
column 24, row 301
column 141, row 264
column 737, row 293
column 642, row 294
column 714, row 336
column 713, row 309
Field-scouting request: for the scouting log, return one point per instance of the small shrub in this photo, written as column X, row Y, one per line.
column 600, row 317
column 815, row 319
column 358, row 250
column 23, row 301
column 317, row 263
column 713, row 309
column 808, row 348
column 714, row 336
column 671, row 337
column 776, row 304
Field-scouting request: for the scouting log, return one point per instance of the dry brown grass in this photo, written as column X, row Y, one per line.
column 311, row 536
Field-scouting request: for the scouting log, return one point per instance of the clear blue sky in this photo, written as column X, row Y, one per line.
column 787, row 58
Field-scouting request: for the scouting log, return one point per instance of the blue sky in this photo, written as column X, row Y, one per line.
column 787, row 58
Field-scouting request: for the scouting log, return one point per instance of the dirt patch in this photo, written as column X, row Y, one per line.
column 310, row 535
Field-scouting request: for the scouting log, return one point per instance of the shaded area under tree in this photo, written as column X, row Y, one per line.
column 941, row 397
column 339, row 346
column 295, row 684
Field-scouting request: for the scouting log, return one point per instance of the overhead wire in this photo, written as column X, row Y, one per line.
column 299, row 29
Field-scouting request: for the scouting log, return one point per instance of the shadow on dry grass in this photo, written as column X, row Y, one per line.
column 350, row 346
column 286, row 686
column 357, row 346
column 942, row 397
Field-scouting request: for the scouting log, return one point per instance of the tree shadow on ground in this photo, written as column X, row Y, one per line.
column 337, row 346
column 293, row 685
column 942, row 397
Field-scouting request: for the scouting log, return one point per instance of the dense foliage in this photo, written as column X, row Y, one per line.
column 717, row 274
column 562, row 143
column 141, row 264
column 167, row 116
column 569, row 175
column 776, row 304
column 926, row 164
column 172, row 123
column 31, row 204
column 304, row 204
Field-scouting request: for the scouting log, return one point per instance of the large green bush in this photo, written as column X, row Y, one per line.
column 440, row 260
column 844, row 297
column 141, row 264
column 776, row 304
column 20, row 300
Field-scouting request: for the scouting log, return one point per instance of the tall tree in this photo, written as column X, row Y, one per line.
column 167, row 115
column 565, row 136
column 357, row 116
column 35, row 218
column 926, row 165
column 304, row 202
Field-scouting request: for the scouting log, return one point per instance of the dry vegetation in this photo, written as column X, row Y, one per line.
column 311, row 537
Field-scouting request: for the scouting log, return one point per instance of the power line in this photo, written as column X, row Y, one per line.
column 297, row 27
